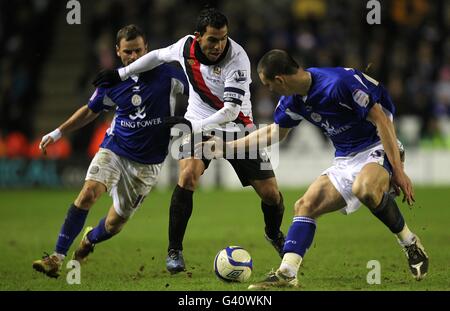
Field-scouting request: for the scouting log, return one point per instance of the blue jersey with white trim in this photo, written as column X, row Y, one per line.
column 338, row 102
column 141, row 102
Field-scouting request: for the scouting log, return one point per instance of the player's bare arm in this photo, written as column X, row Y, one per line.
column 80, row 118
column 266, row 136
column 149, row 61
column 388, row 138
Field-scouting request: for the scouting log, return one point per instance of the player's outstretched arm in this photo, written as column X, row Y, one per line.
column 111, row 77
column 265, row 136
column 145, row 63
column 152, row 59
column 80, row 118
column 388, row 138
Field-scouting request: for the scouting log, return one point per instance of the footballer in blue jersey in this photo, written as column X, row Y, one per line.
column 130, row 157
column 356, row 113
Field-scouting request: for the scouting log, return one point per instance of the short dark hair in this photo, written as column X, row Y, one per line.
column 130, row 32
column 210, row 17
column 277, row 62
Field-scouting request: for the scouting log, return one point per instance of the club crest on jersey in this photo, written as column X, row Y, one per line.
column 240, row 76
column 94, row 170
column 316, row 117
column 136, row 100
column 217, row 70
column 361, row 98
column 191, row 61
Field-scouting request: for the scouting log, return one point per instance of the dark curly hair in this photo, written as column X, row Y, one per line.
column 210, row 17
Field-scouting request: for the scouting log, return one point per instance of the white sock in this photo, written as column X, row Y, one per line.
column 406, row 237
column 290, row 264
column 59, row 256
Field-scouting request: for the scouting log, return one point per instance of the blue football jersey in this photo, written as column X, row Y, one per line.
column 141, row 102
column 338, row 102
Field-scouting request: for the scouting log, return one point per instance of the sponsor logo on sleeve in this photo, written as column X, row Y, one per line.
column 240, row 76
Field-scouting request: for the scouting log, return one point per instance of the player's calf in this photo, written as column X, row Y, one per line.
column 389, row 213
column 273, row 217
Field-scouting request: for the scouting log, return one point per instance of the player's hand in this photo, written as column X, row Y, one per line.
column 213, row 148
column 48, row 139
column 402, row 181
column 107, row 78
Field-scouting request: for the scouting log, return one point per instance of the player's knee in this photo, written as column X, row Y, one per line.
column 366, row 192
column 303, row 207
column 87, row 197
column 188, row 179
column 271, row 196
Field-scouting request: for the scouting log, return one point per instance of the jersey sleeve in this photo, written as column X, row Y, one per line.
column 237, row 80
column 172, row 53
column 353, row 92
column 284, row 116
column 100, row 101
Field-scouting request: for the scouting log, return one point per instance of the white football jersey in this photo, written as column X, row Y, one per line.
column 211, row 85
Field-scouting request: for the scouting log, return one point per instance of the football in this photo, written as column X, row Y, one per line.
column 233, row 264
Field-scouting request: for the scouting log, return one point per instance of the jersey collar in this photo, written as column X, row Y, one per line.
column 304, row 98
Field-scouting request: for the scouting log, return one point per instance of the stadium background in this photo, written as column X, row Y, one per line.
column 47, row 65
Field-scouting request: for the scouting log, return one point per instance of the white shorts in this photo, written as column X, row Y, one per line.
column 127, row 182
column 345, row 169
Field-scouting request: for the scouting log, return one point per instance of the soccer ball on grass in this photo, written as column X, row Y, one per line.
column 233, row 264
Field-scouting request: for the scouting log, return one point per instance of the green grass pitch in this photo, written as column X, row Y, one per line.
column 135, row 259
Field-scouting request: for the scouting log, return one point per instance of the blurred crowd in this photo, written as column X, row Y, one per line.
column 409, row 51
column 26, row 33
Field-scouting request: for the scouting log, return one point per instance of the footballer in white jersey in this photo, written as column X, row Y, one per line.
column 211, row 84
column 218, row 71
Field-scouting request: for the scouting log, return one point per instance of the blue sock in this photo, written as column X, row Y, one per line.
column 99, row 233
column 72, row 226
column 300, row 235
